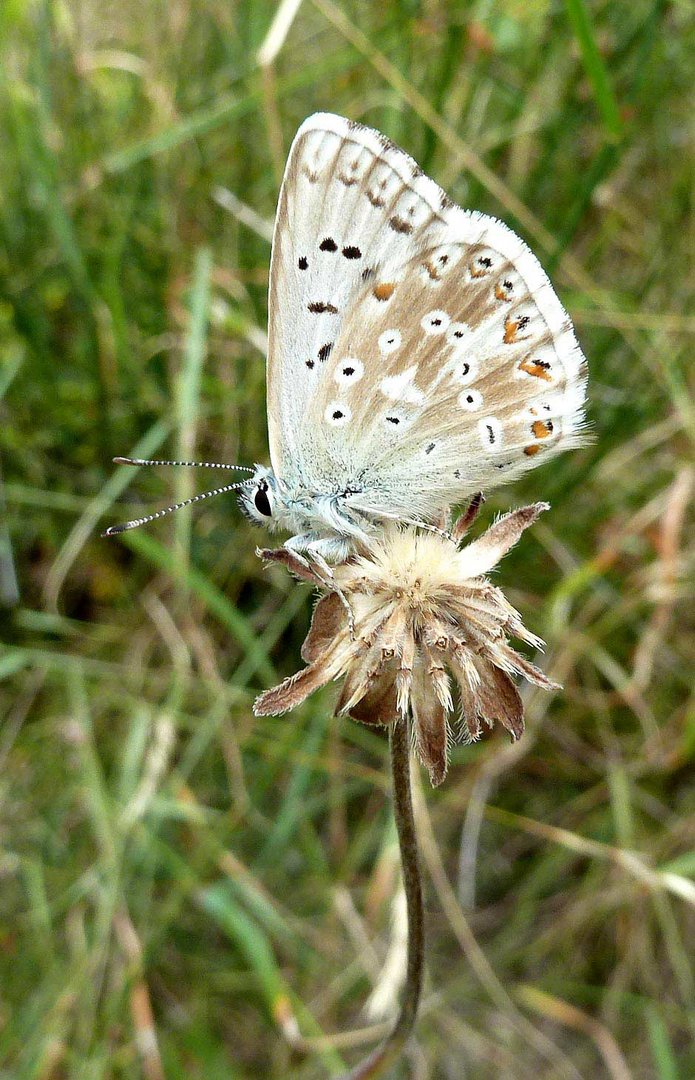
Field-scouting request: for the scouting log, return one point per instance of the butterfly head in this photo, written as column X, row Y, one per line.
column 259, row 497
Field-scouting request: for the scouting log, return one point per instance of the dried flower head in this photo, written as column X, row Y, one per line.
column 424, row 615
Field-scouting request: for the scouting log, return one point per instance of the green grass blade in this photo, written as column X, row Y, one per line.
column 662, row 1051
column 595, row 68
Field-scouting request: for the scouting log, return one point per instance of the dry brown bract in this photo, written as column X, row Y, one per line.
column 423, row 612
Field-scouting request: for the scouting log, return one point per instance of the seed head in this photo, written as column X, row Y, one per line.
column 430, row 638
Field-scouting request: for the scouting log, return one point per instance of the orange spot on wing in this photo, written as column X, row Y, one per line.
column 542, row 428
column 531, row 450
column 501, row 293
column 511, row 328
column 540, row 369
column 384, row 291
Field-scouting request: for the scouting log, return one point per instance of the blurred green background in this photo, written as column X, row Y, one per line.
column 188, row 891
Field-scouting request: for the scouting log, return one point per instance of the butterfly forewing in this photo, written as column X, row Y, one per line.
column 418, row 352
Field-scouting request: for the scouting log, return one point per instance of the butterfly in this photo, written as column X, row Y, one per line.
column 417, row 352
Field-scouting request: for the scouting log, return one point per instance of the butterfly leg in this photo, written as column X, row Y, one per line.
column 320, row 561
column 464, row 523
column 309, row 553
column 292, row 560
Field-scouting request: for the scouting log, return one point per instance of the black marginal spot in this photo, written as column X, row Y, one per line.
column 317, row 307
column 325, row 350
column 348, row 371
column 387, row 143
column 393, row 419
column 457, row 474
column 309, row 364
column 375, row 199
column 430, row 448
column 522, row 323
column 465, row 369
column 351, row 252
column 490, row 433
column 398, row 224
column 368, row 273
column 328, row 244
column 485, row 260
column 303, row 262
column 458, row 333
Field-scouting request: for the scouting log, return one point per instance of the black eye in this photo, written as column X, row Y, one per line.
column 261, row 500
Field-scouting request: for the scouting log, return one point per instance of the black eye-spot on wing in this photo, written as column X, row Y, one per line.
column 325, row 350
column 430, row 448
column 303, row 262
column 309, row 364
column 352, row 252
column 400, row 225
column 318, row 307
column 328, row 244
column 395, row 420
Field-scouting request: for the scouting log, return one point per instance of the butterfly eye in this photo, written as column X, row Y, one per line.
column 261, row 500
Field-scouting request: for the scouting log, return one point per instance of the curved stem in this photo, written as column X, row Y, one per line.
column 390, row 1050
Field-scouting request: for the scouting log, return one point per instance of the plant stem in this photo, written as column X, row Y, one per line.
column 390, row 1050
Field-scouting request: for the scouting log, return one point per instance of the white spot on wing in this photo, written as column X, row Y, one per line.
column 458, row 335
column 400, row 387
column 337, row 414
column 435, row 322
column 349, row 371
column 490, row 432
column 470, row 400
column 465, row 372
column 389, row 341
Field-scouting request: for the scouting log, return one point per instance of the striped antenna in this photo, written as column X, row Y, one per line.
column 114, row 530
column 189, row 464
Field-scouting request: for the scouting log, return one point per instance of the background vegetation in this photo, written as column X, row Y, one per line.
column 187, row 891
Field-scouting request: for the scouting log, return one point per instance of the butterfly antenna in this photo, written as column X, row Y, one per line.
column 114, row 530
column 189, row 464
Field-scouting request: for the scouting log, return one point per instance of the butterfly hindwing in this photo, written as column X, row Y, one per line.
column 418, row 352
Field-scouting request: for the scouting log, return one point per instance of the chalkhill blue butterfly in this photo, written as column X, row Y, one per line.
column 417, row 352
